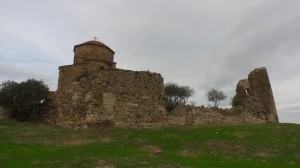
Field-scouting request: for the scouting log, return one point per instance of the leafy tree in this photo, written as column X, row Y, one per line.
column 215, row 96
column 175, row 95
column 22, row 97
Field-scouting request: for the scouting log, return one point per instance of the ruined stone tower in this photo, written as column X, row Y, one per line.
column 88, row 56
column 256, row 90
column 260, row 87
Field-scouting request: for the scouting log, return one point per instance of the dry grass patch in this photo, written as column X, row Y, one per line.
column 172, row 166
column 189, row 153
column 225, row 147
column 152, row 149
column 263, row 154
column 103, row 164
column 105, row 139
column 241, row 134
column 77, row 142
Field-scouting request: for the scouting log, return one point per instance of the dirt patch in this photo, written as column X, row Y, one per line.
column 268, row 152
column 103, row 164
column 58, row 141
column 152, row 149
column 105, row 139
column 225, row 147
column 77, row 142
column 172, row 166
column 221, row 148
column 189, row 153
column 262, row 154
column 241, row 134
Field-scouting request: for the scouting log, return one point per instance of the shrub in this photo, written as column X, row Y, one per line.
column 235, row 102
column 22, row 97
column 175, row 95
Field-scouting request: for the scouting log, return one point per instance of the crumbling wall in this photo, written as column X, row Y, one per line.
column 261, row 89
column 254, row 93
column 72, row 73
column 253, row 103
column 243, row 89
column 189, row 115
column 126, row 98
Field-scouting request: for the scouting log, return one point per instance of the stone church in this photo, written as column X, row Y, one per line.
column 94, row 91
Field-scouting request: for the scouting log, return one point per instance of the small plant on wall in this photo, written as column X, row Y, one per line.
column 235, row 102
column 83, row 74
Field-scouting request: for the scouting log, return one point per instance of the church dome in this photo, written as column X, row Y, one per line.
column 94, row 52
column 93, row 42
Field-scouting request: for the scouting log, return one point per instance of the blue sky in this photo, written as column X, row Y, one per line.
column 201, row 43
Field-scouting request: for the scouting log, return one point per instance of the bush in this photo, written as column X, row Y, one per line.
column 235, row 102
column 22, row 97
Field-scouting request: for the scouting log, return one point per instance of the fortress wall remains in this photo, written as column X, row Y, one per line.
column 189, row 115
column 71, row 73
column 122, row 97
column 261, row 88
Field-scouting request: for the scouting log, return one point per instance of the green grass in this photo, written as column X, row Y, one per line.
column 36, row 144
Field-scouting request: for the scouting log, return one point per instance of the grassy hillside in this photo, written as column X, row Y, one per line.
column 36, row 144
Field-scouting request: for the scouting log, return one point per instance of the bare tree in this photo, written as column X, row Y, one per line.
column 215, row 96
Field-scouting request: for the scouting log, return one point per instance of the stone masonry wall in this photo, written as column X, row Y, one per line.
column 256, row 90
column 125, row 98
column 92, row 52
column 122, row 97
column 69, row 73
column 253, row 103
column 261, row 88
column 189, row 115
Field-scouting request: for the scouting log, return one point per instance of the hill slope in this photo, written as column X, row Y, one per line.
column 36, row 144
